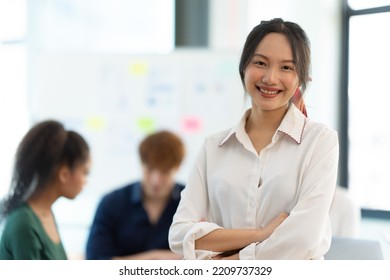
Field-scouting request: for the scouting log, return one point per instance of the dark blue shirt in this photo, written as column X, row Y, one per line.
column 121, row 225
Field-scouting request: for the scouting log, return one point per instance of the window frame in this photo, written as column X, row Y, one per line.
column 347, row 14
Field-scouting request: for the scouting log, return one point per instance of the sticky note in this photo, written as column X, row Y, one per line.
column 191, row 124
column 138, row 69
column 146, row 124
column 96, row 123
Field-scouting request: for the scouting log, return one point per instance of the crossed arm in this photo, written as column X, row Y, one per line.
column 230, row 241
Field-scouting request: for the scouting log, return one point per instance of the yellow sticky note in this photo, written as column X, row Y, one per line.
column 138, row 69
column 96, row 123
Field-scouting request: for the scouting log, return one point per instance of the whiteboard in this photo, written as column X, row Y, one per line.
column 115, row 100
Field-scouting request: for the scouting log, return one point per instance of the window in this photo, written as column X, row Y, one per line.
column 368, row 135
column 367, row 4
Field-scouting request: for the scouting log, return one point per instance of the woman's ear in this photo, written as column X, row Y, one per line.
column 63, row 173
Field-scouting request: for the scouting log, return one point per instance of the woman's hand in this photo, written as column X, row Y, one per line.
column 224, row 257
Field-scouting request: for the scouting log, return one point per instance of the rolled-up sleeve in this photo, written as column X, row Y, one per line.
column 190, row 221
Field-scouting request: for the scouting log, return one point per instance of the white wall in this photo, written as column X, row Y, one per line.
column 13, row 84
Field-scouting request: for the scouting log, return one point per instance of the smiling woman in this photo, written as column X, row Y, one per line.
column 263, row 189
column 270, row 77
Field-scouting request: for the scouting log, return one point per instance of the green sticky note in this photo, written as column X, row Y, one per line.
column 146, row 125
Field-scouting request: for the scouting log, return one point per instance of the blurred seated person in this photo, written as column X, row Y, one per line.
column 132, row 222
column 345, row 214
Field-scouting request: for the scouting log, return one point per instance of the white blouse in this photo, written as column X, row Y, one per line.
column 232, row 186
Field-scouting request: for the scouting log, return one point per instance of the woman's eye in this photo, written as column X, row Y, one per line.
column 260, row 63
column 287, row 67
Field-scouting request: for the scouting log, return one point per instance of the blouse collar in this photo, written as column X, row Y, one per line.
column 292, row 125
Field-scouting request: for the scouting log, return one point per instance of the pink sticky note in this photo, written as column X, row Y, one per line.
column 191, row 124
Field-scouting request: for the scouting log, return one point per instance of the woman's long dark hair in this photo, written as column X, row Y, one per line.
column 45, row 147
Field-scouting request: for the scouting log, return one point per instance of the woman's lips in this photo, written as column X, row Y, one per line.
column 268, row 92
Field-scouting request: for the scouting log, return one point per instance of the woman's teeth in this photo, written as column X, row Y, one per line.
column 268, row 91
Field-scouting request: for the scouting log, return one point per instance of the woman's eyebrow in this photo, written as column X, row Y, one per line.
column 265, row 57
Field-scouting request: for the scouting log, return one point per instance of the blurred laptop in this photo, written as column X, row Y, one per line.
column 344, row 248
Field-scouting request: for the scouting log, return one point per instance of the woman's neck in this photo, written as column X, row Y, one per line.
column 261, row 126
column 260, row 120
column 42, row 201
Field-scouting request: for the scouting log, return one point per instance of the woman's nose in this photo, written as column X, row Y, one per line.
column 270, row 77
